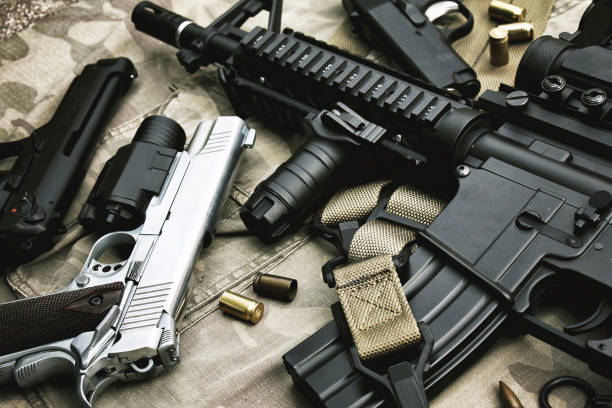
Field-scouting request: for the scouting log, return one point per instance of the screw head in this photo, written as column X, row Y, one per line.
column 553, row 84
column 95, row 300
column 397, row 138
column 594, row 97
column 462, row 170
column 81, row 280
column 517, row 99
column 602, row 346
column 598, row 246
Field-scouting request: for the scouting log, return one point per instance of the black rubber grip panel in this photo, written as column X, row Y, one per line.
column 41, row 320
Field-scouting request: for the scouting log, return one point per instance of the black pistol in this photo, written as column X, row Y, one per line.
column 36, row 192
column 405, row 30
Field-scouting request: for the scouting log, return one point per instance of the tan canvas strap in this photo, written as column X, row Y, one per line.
column 352, row 204
column 375, row 307
column 370, row 292
column 379, row 237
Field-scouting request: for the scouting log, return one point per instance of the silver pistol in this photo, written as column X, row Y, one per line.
column 117, row 321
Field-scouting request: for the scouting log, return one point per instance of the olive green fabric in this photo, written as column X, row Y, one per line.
column 225, row 362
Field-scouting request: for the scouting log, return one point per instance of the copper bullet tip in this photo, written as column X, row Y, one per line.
column 508, row 397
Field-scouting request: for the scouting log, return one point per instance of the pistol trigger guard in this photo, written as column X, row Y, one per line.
column 453, row 34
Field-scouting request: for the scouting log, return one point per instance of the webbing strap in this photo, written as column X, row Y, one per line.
column 379, row 238
column 375, row 307
column 352, row 204
column 370, row 292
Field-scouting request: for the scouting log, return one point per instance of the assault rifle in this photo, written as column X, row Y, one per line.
column 532, row 186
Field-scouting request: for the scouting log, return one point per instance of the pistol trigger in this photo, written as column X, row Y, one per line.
column 88, row 391
column 441, row 9
column 601, row 314
column 446, row 7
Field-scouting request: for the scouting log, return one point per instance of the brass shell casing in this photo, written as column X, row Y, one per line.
column 498, row 47
column 240, row 306
column 506, row 12
column 518, row 31
column 277, row 287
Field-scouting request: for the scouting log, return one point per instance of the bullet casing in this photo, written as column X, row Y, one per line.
column 498, row 47
column 273, row 286
column 240, row 306
column 518, row 31
column 506, row 12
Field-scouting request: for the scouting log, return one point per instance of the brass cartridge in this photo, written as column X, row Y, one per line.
column 240, row 306
column 274, row 286
column 506, row 12
column 518, row 31
column 498, row 46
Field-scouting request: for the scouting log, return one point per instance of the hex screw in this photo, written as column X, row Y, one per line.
column 553, row 84
column 95, row 300
column 594, row 97
column 462, row 171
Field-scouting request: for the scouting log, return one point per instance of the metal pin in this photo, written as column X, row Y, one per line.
column 277, row 287
column 240, row 306
column 506, row 12
column 508, row 397
column 498, row 46
column 518, row 31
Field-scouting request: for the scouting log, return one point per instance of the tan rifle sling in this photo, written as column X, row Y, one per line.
column 370, row 292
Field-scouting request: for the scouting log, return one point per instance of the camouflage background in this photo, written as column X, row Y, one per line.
column 226, row 363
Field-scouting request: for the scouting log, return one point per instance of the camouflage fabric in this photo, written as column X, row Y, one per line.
column 226, row 363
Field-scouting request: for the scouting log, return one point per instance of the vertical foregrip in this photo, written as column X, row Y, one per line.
column 41, row 320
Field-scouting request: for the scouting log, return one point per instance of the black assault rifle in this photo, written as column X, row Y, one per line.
column 532, row 196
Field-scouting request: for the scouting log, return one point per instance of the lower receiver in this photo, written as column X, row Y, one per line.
column 117, row 321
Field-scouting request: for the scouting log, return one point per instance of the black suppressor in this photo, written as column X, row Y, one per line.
column 114, row 204
column 36, row 192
